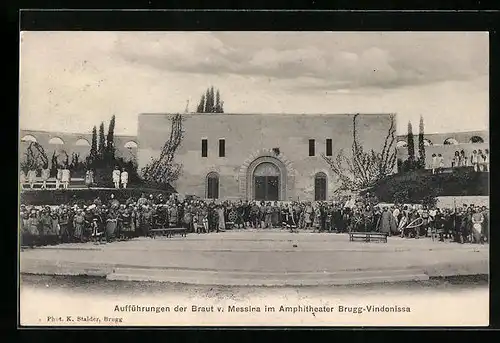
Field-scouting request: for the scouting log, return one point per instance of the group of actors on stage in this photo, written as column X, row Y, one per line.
column 108, row 220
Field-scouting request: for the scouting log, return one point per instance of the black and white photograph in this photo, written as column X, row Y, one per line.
column 244, row 178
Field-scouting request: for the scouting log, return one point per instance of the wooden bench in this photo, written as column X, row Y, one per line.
column 169, row 232
column 368, row 236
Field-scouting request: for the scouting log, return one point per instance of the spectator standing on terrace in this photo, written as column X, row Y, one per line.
column 480, row 158
column 463, row 159
column 45, row 175
column 474, row 160
column 31, row 177
column 486, row 160
column 22, row 179
column 434, row 164
column 65, row 177
column 58, row 177
column 455, row 162
column 116, row 177
column 440, row 163
column 89, row 177
column 124, row 178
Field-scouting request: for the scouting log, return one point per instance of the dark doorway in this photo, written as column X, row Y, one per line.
column 266, row 182
column 266, row 188
column 320, row 187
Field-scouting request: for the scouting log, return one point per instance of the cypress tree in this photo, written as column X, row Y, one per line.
column 411, row 143
column 421, row 145
column 201, row 105
column 53, row 165
column 208, row 104
column 110, row 141
column 101, row 150
column 93, row 147
column 212, row 100
column 217, row 102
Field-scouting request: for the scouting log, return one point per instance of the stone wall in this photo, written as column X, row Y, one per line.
column 72, row 143
column 459, row 201
column 252, row 136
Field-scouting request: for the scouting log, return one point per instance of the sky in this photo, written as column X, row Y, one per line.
column 71, row 81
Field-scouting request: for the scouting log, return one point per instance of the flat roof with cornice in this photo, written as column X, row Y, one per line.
column 265, row 114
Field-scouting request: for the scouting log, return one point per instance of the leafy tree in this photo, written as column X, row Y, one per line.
column 34, row 158
column 411, row 143
column 364, row 169
column 163, row 170
column 421, row 145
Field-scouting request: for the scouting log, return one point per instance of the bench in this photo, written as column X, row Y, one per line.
column 368, row 236
column 169, row 232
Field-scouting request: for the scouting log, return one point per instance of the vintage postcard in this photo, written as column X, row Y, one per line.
column 254, row 179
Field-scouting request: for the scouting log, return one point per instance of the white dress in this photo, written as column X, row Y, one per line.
column 65, row 175
column 116, row 176
column 124, row 177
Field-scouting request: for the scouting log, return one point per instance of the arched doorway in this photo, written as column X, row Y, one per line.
column 266, row 179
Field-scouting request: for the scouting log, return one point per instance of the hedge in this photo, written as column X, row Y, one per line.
column 420, row 185
column 62, row 196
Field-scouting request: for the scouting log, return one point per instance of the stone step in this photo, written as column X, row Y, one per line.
column 202, row 277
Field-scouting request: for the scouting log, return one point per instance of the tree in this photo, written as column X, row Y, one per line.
column 34, row 158
column 93, row 148
column 211, row 102
column 110, row 142
column 219, row 104
column 411, row 143
column 53, row 165
column 421, row 145
column 208, row 102
column 363, row 169
column 201, row 105
column 212, row 108
column 102, row 143
column 164, row 170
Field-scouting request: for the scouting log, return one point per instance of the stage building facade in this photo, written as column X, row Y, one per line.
column 259, row 156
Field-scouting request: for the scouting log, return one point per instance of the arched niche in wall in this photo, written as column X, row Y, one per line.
column 82, row 142
column 450, row 141
column 28, row 138
column 476, row 139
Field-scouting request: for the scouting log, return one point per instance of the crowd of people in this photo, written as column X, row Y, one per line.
column 478, row 159
column 108, row 220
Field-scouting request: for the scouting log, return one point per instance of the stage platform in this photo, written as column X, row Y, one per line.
column 260, row 258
